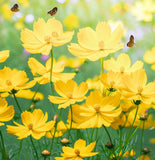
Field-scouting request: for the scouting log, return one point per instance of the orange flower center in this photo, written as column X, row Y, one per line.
column 55, row 34
column 122, row 69
column 8, row 83
column 101, row 45
column 30, row 126
column 47, row 39
column 97, row 108
column 77, row 152
column 69, row 95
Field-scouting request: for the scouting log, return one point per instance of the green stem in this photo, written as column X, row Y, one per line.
column 34, row 148
column 108, row 134
column 69, row 134
column 20, row 148
column 17, row 103
column 34, row 95
column 55, row 129
column 102, row 67
column 88, row 135
column 3, row 147
column 142, row 139
column 52, row 89
column 120, row 142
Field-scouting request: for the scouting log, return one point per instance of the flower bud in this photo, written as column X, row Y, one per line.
column 55, row 118
column 45, row 152
column 32, row 106
column 65, row 141
column 109, row 145
column 146, row 150
column 36, row 99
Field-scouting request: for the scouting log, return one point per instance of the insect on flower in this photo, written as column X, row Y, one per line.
column 131, row 42
column 15, row 8
column 53, row 11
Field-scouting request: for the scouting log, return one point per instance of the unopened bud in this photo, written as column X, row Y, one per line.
column 109, row 145
column 146, row 150
column 36, row 99
column 45, row 152
column 65, row 141
column 137, row 102
column 7, row 155
column 55, row 118
column 32, row 106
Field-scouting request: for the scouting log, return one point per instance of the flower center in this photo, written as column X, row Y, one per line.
column 47, row 39
column 8, row 83
column 30, row 126
column 97, row 108
column 77, row 152
column 55, row 34
column 122, row 69
column 69, row 95
column 101, row 45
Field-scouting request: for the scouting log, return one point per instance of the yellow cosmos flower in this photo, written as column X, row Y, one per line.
column 144, row 157
column 97, row 111
column 34, row 124
column 122, row 64
column 149, row 57
column 94, row 45
column 25, row 3
column 71, row 62
column 4, row 55
column 111, row 80
column 7, row 13
column 60, row 130
column 6, row 112
column 135, row 87
column 71, row 18
column 43, row 72
column 143, row 10
column 70, row 93
column 79, row 152
column 14, row 80
column 45, row 36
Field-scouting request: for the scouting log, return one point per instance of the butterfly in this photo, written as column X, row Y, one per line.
column 131, row 42
column 53, row 11
column 15, row 8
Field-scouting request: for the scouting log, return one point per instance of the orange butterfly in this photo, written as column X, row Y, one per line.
column 53, row 11
column 15, row 8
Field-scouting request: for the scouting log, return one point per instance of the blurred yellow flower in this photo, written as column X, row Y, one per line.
column 144, row 157
column 14, row 80
column 34, row 124
column 71, row 62
column 60, row 130
column 42, row 72
column 6, row 112
column 122, row 64
column 71, row 21
column 70, row 93
column 79, row 152
column 135, row 87
column 143, row 10
column 94, row 45
column 45, row 36
column 25, row 3
column 4, row 55
column 97, row 111
column 149, row 57
column 7, row 13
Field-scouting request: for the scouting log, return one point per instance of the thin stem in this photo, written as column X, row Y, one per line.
column 69, row 134
column 102, row 67
column 55, row 129
column 20, row 148
column 52, row 89
column 17, row 102
column 142, row 138
column 108, row 134
column 120, row 142
column 34, row 148
column 3, row 147
column 88, row 135
column 34, row 95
